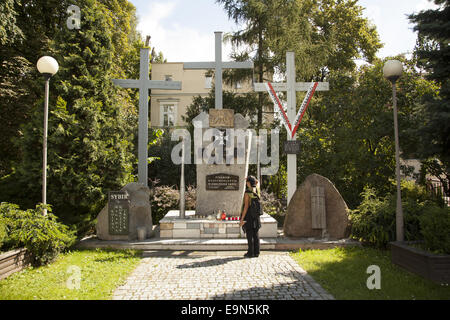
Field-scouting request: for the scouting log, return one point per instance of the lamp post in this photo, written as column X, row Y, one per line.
column 392, row 70
column 47, row 66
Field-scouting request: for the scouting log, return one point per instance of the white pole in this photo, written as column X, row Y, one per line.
column 218, row 72
column 182, row 187
column 399, row 209
column 292, row 102
column 44, row 149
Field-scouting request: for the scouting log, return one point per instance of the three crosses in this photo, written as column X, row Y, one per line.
column 144, row 84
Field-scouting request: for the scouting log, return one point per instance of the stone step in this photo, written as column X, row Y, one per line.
column 215, row 244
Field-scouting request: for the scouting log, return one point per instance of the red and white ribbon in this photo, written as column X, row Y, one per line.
column 276, row 101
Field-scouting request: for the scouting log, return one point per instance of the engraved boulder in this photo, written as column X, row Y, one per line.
column 140, row 215
column 317, row 210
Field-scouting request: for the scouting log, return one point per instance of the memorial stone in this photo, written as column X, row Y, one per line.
column 317, row 210
column 126, row 212
column 222, row 186
column 118, row 213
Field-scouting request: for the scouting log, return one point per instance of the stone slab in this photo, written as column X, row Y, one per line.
column 166, row 226
column 233, row 230
column 179, row 225
column 208, row 244
column 219, row 229
column 186, row 233
column 299, row 220
column 166, row 233
column 211, row 201
column 140, row 214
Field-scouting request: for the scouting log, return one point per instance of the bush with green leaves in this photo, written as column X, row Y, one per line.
column 3, row 231
column 373, row 222
column 166, row 198
column 435, row 227
column 273, row 206
column 42, row 235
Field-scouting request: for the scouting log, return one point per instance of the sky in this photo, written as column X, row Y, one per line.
column 184, row 29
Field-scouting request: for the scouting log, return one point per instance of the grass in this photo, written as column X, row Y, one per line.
column 102, row 271
column 343, row 273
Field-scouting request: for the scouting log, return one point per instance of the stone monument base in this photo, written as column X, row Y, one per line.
column 172, row 227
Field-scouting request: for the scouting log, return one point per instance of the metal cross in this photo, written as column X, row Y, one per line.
column 291, row 87
column 144, row 84
column 218, row 65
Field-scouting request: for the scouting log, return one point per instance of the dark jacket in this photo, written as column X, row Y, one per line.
column 254, row 223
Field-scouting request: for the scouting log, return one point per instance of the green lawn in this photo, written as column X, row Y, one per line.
column 101, row 272
column 342, row 272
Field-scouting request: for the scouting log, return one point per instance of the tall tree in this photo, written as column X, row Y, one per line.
column 92, row 123
column 433, row 55
column 326, row 35
column 348, row 133
column 25, row 30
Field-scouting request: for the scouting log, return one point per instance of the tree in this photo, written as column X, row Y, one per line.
column 9, row 31
column 326, row 35
column 25, row 30
column 348, row 135
column 433, row 55
column 92, row 123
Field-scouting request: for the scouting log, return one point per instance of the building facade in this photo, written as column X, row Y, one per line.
column 167, row 108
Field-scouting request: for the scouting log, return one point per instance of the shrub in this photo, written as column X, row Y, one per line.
column 373, row 221
column 273, row 206
column 166, row 198
column 435, row 227
column 43, row 236
column 3, row 231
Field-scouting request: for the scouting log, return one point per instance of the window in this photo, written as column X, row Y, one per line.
column 168, row 114
column 168, row 77
column 208, row 82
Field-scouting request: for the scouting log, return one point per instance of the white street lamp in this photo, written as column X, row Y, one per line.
column 392, row 70
column 48, row 66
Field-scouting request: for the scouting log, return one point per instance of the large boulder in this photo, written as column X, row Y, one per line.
column 302, row 221
column 140, row 215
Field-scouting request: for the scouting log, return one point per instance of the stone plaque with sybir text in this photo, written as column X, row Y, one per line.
column 118, row 213
column 222, row 182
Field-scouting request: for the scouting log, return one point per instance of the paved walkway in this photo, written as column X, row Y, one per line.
column 219, row 275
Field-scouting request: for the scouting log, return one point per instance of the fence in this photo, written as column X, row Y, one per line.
column 437, row 188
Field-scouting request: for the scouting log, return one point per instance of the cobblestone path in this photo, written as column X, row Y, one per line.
column 219, row 275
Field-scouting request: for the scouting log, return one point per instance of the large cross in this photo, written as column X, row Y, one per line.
column 291, row 87
column 144, row 84
column 218, row 65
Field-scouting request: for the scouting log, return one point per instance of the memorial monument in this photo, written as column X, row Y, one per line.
column 222, row 150
column 317, row 210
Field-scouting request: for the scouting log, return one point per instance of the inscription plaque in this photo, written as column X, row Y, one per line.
column 223, row 118
column 222, row 181
column 118, row 213
column 292, row 147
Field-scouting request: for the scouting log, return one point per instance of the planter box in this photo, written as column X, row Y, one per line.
column 13, row 261
column 430, row 266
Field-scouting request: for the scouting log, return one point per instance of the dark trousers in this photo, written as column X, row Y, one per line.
column 253, row 241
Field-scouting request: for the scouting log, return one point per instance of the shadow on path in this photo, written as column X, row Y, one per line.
column 209, row 263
